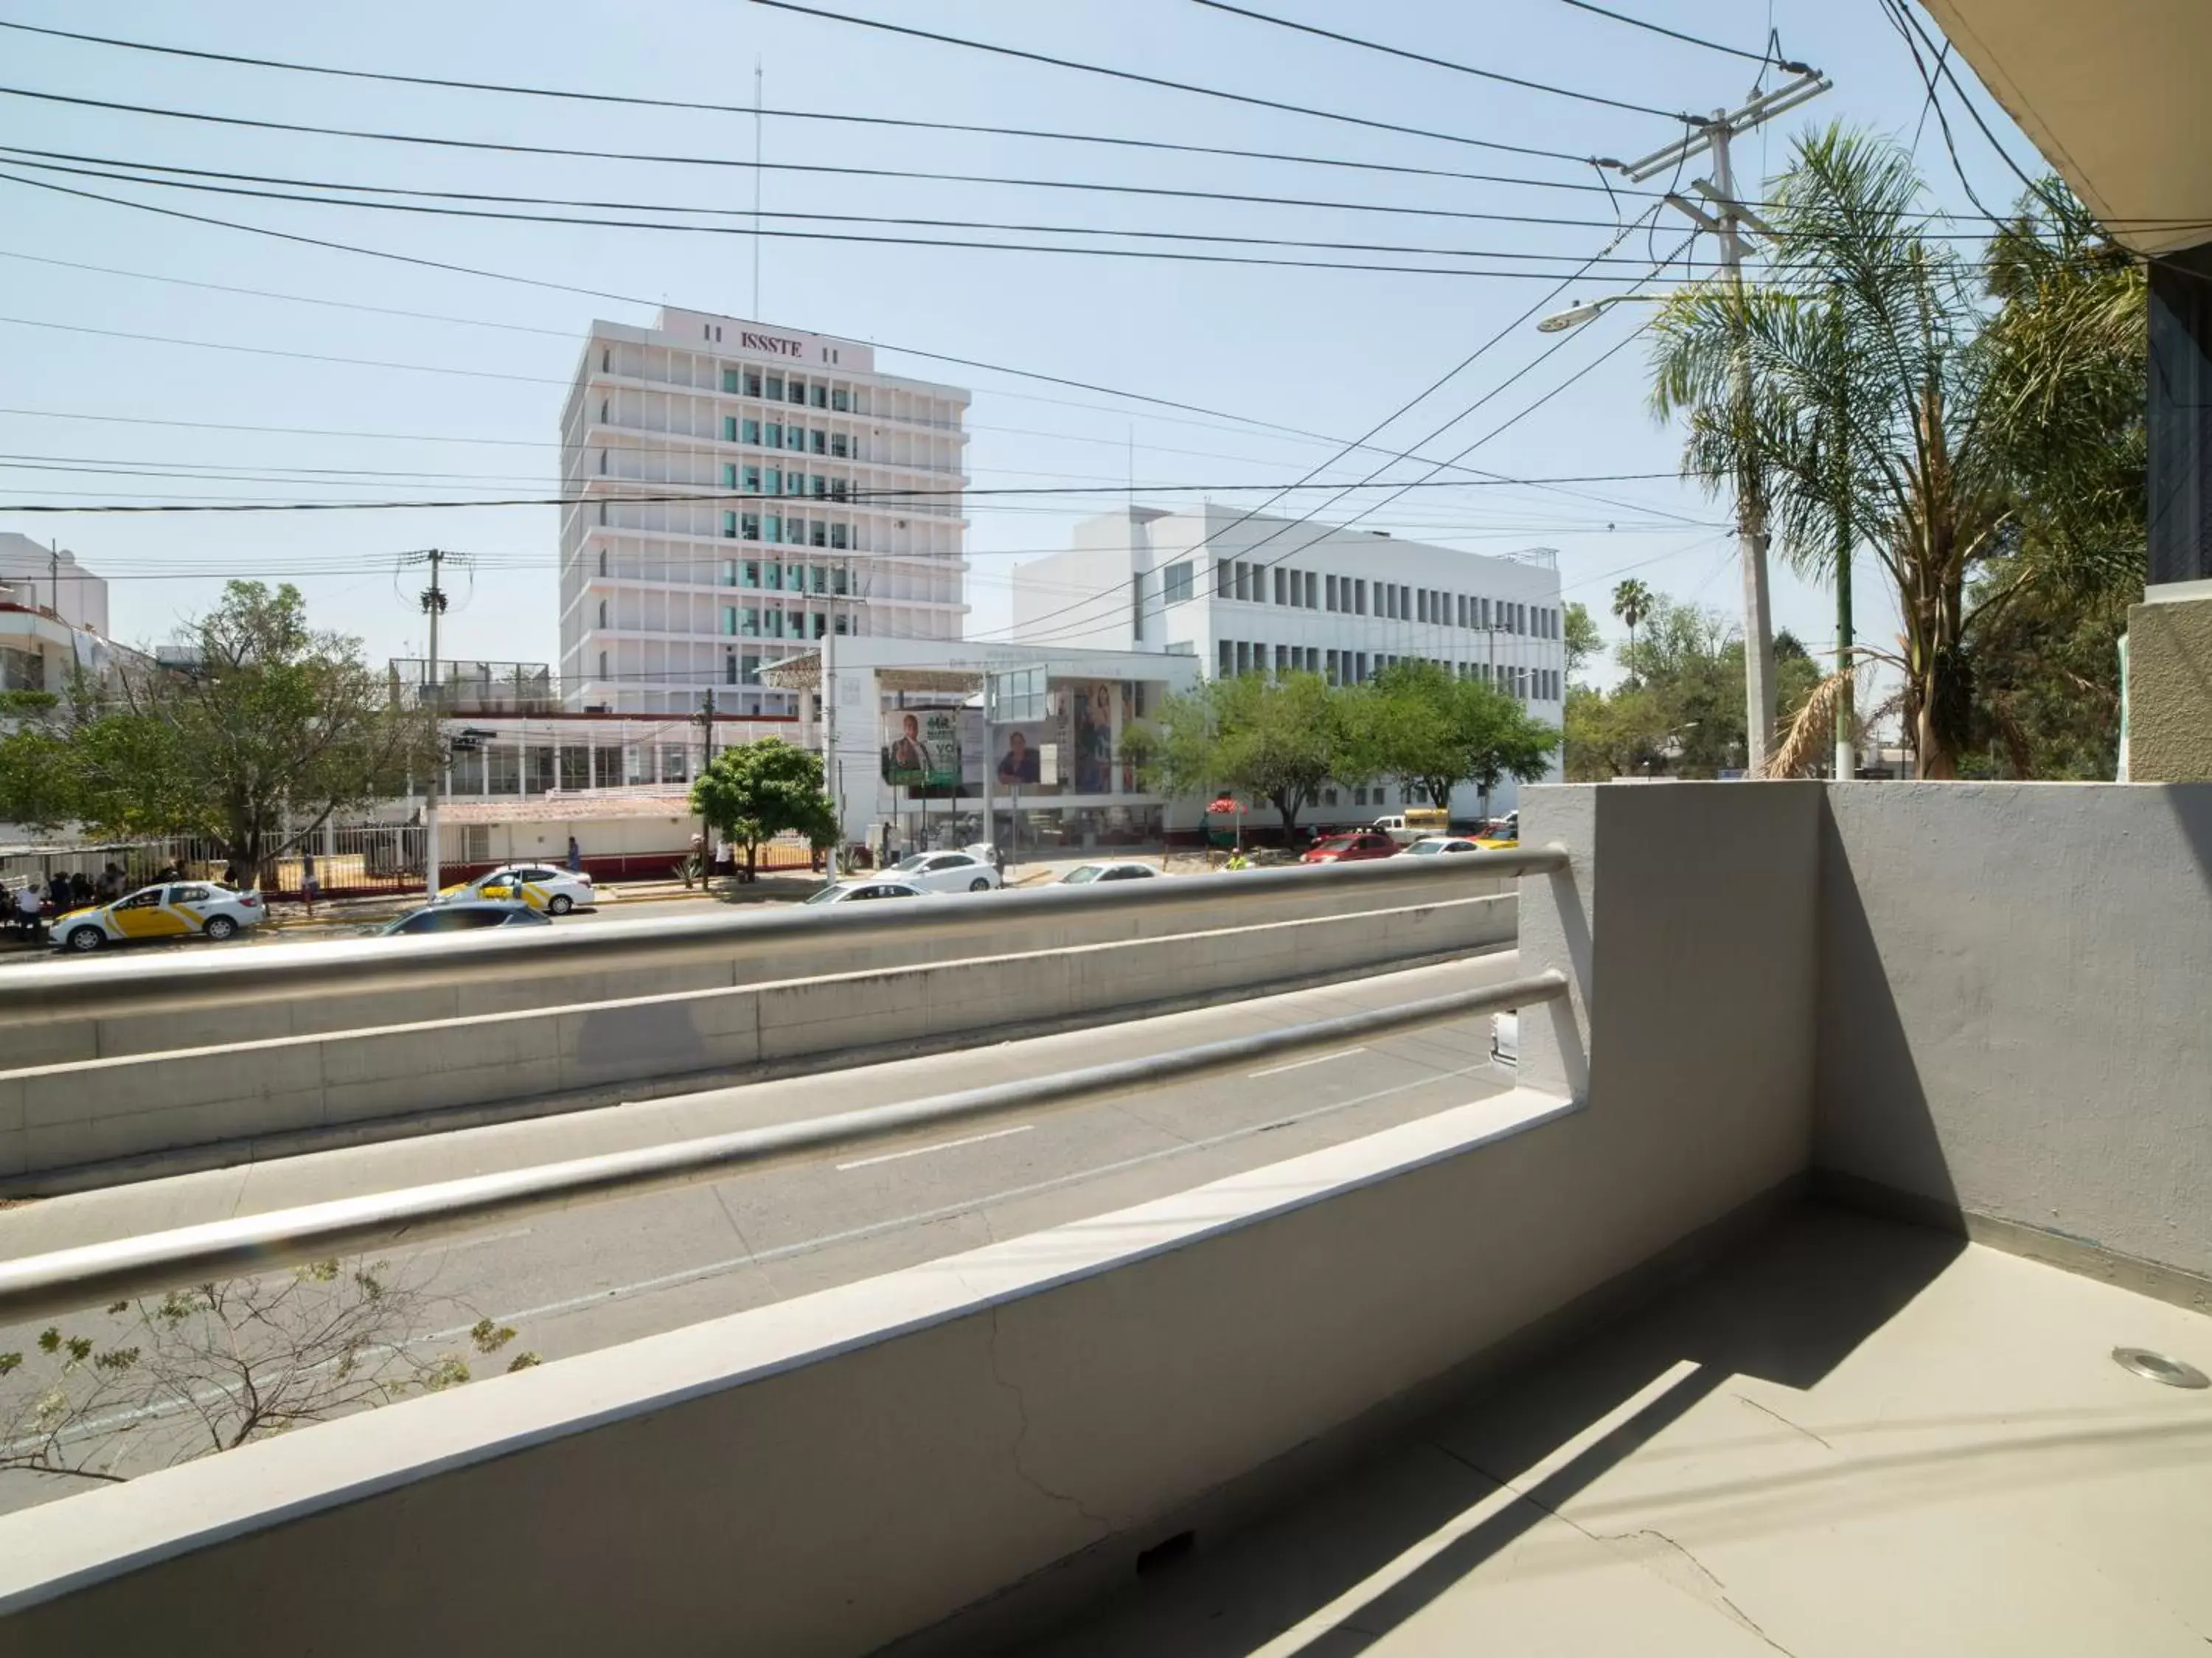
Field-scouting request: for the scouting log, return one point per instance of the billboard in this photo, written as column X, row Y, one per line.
column 921, row 747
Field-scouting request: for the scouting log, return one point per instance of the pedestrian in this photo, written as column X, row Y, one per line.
column 310, row 888
column 27, row 910
column 58, row 891
column 575, row 857
column 80, row 891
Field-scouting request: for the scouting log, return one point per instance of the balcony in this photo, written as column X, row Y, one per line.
column 1772, row 1307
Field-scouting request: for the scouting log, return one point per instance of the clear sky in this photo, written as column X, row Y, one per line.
column 1331, row 352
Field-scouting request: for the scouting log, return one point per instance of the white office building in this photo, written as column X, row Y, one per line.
column 811, row 493
column 1261, row 594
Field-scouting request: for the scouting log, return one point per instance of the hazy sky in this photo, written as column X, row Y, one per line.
column 1330, row 351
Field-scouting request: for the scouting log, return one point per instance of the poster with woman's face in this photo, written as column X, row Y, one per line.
column 1128, row 719
column 1092, row 737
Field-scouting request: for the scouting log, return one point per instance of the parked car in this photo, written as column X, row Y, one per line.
column 1084, row 873
column 1436, row 845
column 540, row 885
column 464, row 916
column 1354, row 848
column 1414, row 823
column 945, row 872
column 865, row 890
column 185, row 909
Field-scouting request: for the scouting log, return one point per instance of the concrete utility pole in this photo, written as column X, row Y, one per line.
column 1726, row 218
column 433, row 605
column 829, row 727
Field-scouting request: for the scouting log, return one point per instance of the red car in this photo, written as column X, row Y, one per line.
column 1350, row 849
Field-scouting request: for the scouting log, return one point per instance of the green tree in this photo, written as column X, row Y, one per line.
column 266, row 719
column 1276, row 739
column 1579, row 629
column 755, row 791
column 1418, row 724
column 1618, row 735
column 1898, row 407
column 1631, row 602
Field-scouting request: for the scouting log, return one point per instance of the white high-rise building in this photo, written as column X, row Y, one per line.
column 828, row 495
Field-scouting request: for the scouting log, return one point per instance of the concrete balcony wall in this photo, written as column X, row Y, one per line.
column 2015, row 1032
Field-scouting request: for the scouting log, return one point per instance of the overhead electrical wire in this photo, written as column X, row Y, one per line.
column 1173, row 255
column 1135, row 78
column 1690, row 39
column 1483, row 349
column 1398, row 489
column 1403, row 52
column 641, row 102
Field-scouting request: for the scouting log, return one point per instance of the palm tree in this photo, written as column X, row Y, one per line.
column 1894, row 405
column 1631, row 603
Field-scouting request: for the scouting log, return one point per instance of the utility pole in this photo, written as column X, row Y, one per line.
column 829, row 727
column 1726, row 218
column 707, row 724
column 433, row 605
column 54, row 577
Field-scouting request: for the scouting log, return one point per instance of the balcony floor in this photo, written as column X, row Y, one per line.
column 1849, row 1438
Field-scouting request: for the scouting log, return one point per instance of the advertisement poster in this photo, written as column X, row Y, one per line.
column 921, row 747
column 1087, row 757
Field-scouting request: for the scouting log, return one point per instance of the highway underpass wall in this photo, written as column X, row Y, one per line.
column 280, row 1094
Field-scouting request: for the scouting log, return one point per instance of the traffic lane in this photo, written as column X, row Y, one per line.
column 593, row 1277
column 589, row 1277
column 141, row 1207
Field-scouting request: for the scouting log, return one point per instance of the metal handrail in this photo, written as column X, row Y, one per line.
column 41, row 1286
column 82, row 989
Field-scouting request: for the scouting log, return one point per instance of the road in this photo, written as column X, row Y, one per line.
column 614, row 1271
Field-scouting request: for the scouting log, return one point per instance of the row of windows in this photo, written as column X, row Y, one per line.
column 775, row 387
column 1357, row 668
column 788, row 530
column 1254, row 582
column 752, row 622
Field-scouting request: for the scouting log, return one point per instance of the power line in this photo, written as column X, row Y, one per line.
column 1677, row 34
column 1441, row 63
column 355, row 248
column 1132, row 76
column 513, row 90
column 136, row 166
column 1481, row 350
column 1183, row 256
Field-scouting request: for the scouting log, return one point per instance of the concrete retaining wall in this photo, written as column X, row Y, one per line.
column 59, row 1118
column 72, row 1010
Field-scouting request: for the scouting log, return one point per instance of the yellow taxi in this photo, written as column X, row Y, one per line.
column 540, row 885
column 182, row 909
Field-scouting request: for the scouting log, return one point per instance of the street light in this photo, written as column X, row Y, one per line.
column 1575, row 316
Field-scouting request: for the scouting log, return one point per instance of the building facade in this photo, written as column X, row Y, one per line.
column 737, row 491
column 1259, row 595
column 54, row 623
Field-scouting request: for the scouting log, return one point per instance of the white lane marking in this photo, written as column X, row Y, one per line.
column 942, row 1145
column 929, row 1216
column 1298, row 1065
column 855, row 1234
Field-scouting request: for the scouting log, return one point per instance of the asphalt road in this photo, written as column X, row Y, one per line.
column 614, row 1271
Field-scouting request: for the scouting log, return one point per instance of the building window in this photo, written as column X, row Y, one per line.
column 1241, row 571
column 1360, row 677
column 751, row 429
column 775, row 388
column 817, row 442
column 1137, row 606
column 606, row 360
column 820, row 395
column 729, row 381
column 840, row 445
column 1279, row 584
column 798, row 391
column 1328, row 592
column 603, row 612
column 603, row 561
column 1228, row 657
column 729, row 429
column 729, row 667
column 1422, row 600
column 1175, row 583
column 841, row 401
column 730, row 526
column 1360, row 597
column 1244, row 657
column 1223, row 578
column 603, row 463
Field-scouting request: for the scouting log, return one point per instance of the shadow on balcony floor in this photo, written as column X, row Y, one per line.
column 1851, row 1437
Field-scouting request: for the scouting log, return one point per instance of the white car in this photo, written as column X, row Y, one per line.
column 945, row 871
column 865, row 890
column 540, row 885
column 1084, row 873
column 179, row 910
column 1505, row 1039
column 1436, row 845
